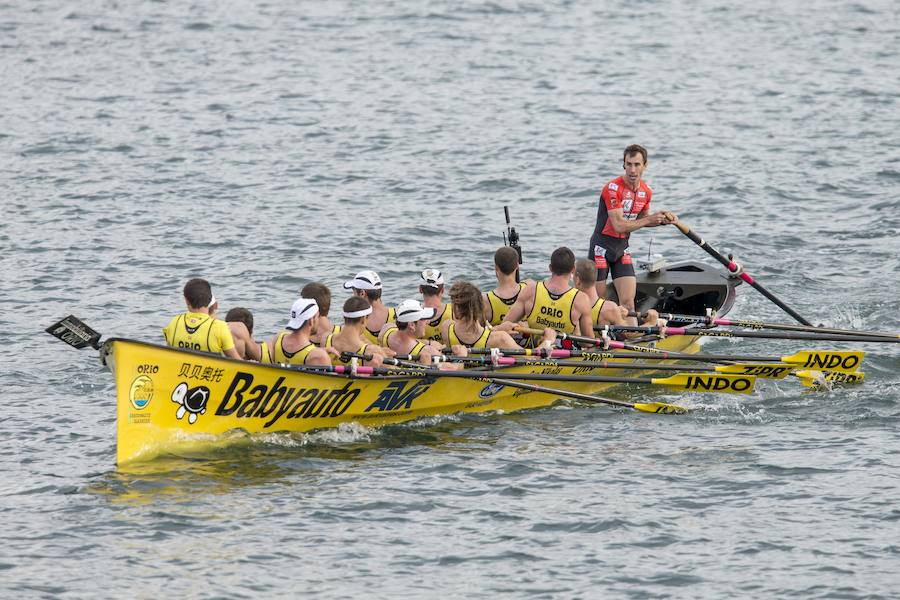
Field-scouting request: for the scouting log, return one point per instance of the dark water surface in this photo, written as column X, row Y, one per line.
column 266, row 145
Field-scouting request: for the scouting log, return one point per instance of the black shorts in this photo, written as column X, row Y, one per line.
column 611, row 258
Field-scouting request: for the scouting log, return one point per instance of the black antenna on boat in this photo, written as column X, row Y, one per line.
column 513, row 238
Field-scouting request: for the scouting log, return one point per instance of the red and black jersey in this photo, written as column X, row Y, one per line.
column 616, row 194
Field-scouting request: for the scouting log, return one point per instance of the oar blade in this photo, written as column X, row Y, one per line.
column 710, row 383
column 826, row 379
column 844, row 361
column 660, row 408
column 74, row 332
column 760, row 370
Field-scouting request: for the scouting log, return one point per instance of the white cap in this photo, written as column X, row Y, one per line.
column 409, row 311
column 302, row 311
column 432, row 277
column 364, row 280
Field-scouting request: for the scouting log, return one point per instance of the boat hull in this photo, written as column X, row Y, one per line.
column 170, row 399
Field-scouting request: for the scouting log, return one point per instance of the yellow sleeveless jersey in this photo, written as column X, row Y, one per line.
column 335, row 329
column 337, row 360
column 552, row 310
column 281, row 356
column 372, row 336
column 391, row 331
column 433, row 329
column 595, row 312
column 481, row 342
column 196, row 331
column 265, row 355
column 500, row 306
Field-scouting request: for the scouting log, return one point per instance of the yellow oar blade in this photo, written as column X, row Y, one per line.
column 660, row 407
column 845, row 361
column 704, row 382
column 828, row 378
column 760, row 370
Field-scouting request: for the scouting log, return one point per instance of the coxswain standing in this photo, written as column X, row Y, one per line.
column 367, row 284
column 352, row 337
column 498, row 301
column 469, row 327
column 293, row 346
column 322, row 295
column 432, row 289
column 624, row 207
column 196, row 329
column 553, row 302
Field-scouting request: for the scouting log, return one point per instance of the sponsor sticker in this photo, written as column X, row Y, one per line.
column 141, row 392
column 490, row 390
column 613, row 186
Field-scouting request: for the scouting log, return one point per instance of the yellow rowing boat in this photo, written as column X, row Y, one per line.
column 169, row 399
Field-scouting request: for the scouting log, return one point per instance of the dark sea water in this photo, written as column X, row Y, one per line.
column 265, row 145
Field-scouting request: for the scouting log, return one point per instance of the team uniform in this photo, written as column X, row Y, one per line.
column 282, row 356
column 433, row 329
column 552, row 310
column 372, row 336
column 609, row 249
column 265, row 355
column 500, row 306
column 337, row 360
column 481, row 342
column 197, row 331
column 595, row 312
column 418, row 347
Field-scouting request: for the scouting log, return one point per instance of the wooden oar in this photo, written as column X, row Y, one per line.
column 691, row 382
column 737, row 270
column 766, row 335
column 847, row 361
column 749, row 324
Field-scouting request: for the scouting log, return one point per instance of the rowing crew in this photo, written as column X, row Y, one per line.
column 471, row 318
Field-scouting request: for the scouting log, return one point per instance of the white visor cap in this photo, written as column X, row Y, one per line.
column 364, row 280
column 302, row 311
column 410, row 311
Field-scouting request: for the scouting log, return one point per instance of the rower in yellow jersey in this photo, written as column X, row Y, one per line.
column 293, row 346
column 351, row 337
column 197, row 329
column 407, row 334
column 367, row 284
column 431, row 287
column 603, row 310
column 469, row 327
column 498, row 301
column 553, row 302
column 323, row 326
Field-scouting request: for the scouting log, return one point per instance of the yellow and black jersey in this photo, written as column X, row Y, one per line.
column 481, row 342
column 500, row 306
column 552, row 310
column 433, row 329
column 282, row 356
column 196, row 331
column 372, row 336
column 337, row 360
